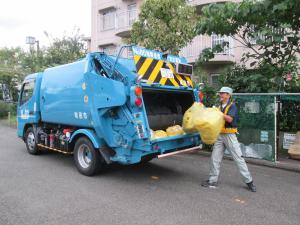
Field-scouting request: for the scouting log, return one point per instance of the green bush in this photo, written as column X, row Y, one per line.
column 289, row 116
column 210, row 96
column 7, row 107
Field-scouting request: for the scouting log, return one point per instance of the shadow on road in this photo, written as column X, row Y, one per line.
column 142, row 170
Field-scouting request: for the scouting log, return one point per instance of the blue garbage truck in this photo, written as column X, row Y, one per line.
column 103, row 108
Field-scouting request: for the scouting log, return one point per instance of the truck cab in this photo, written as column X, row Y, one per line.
column 28, row 104
column 103, row 109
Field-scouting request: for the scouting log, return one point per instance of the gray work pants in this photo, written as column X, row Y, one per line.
column 230, row 142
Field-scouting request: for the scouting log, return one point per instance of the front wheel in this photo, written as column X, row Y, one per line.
column 88, row 160
column 31, row 142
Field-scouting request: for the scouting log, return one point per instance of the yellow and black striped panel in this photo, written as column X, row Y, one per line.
column 150, row 69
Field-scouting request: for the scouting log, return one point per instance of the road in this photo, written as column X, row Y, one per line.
column 47, row 189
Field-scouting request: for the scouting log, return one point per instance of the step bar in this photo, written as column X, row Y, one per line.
column 54, row 149
column 197, row 148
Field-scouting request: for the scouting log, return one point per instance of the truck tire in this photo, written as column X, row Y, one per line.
column 30, row 141
column 88, row 160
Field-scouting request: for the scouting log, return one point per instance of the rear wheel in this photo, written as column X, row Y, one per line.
column 31, row 142
column 88, row 160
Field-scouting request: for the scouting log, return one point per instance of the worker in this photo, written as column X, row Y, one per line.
column 227, row 139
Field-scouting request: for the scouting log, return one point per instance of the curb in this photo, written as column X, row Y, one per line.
column 259, row 162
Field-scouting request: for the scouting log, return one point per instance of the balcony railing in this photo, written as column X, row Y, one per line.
column 118, row 20
column 206, row 2
column 194, row 49
column 126, row 18
column 224, row 41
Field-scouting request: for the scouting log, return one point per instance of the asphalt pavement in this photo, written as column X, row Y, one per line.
column 47, row 189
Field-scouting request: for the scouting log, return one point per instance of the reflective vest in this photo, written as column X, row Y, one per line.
column 228, row 130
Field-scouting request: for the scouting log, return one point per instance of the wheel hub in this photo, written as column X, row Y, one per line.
column 31, row 141
column 84, row 156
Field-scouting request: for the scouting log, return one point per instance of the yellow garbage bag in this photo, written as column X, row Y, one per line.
column 207, row 121
column 187, row 124
column 160, row 134
column 174, row 130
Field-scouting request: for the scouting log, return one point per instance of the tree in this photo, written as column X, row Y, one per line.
column 166, row 25
column 15, row 63
column 65, row 50
column 268, row 28
column 11, row 72
column 61, row 51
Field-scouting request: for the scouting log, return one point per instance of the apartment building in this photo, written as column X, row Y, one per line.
column 112, row 21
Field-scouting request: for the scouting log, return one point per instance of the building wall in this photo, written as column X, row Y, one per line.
column 117, row 13
column 110, row 38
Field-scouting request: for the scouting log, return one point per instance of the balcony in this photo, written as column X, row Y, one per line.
column 194, row 49
column 120, row 22
column 206, row 2
column 105, row 5
column 124, row 21
column 199, row 4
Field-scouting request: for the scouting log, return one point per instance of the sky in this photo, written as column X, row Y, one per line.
column 21, row 18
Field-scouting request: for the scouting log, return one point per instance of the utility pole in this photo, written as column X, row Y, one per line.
column 31, row 41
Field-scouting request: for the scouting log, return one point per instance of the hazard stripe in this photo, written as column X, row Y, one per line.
column 189, row 80
column 157, row 79
column 184, row 79
column 163, row 80
column 177, row 77
column 180, row 78
column 139, row 63
column 150, row 69
column 177, row 80
column 174, row 82
column 155, row 71
column 136, row 58
column 145, row 66
column 169, row 82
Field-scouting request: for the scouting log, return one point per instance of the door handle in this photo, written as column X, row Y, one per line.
column 43, row 98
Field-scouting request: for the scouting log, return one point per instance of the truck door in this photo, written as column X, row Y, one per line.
column 27, row 106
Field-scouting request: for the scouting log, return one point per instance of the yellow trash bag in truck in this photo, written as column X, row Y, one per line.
column 207, row 121
column 174, row 130
column 160, row 134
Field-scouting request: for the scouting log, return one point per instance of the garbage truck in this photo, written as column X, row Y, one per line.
column 102, row 108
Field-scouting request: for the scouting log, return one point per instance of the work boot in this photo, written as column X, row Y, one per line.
column 209, row 184
column 251, row 186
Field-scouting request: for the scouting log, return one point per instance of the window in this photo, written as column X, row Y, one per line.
column 132, row 15
column 27, row 91
column 108, row 20
column 214, row 79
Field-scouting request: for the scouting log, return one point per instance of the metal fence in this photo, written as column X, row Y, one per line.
column 265, row 122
